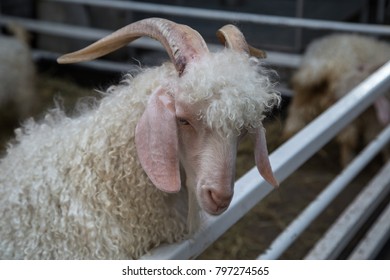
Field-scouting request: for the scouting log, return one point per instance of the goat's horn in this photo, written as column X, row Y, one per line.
column 231, row 37
column 180, row 41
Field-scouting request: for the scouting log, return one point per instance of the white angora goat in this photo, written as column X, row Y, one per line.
column 331, row 67
column 136, row 170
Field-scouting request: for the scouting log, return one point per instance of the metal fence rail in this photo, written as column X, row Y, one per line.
column 377, row 236
column 358, row 212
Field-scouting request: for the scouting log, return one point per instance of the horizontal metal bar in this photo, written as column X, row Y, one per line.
column 351, row 220
column 251, row 188
column 374, row 240
column 92, row 34
column 234, row 16
column 294, row 230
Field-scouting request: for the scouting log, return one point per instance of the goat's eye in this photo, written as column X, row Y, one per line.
column 182, row 121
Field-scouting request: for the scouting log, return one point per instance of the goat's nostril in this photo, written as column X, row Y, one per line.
column 215, row 200
column 221, row 200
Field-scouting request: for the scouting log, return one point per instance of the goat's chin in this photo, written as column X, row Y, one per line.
column 215, row 210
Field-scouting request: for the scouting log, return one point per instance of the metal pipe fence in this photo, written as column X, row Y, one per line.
column 295, row 229
column 353, row 218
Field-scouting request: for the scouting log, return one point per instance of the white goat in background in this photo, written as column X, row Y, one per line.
column 136, row 170
column 331, row 67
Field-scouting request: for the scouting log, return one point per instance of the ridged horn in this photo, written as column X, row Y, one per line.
column 182, row 43
column 231, row 37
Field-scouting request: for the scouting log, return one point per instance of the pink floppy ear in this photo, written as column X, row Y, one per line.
column 261, row 157
column 156, row 142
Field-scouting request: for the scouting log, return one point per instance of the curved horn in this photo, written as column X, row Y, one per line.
column 231, row 37
column 180, row 41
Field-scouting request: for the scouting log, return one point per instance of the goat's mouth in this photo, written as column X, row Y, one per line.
column 213, row 201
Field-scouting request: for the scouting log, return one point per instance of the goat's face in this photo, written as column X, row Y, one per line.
column 208, row 158
column 173, row 134
column 196, row 125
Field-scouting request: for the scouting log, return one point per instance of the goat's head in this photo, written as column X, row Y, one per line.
column 195, row 122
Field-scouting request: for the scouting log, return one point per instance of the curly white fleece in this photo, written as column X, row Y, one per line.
column 73, row 188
